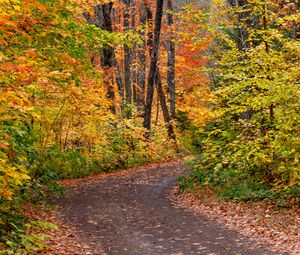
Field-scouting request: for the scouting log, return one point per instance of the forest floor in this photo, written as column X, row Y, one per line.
column 139, row 211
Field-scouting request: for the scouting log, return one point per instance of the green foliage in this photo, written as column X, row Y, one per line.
column 249, row 150
column 17, row 237
column 246, row 192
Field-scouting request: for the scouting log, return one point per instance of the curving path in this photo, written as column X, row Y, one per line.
column 130, row 214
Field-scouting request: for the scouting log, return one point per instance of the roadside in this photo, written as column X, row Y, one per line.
column 276, row 229
column 63, row 240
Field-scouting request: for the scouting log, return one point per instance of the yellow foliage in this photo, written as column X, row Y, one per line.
column 11, row 177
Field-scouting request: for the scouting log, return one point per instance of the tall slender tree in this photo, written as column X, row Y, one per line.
column 164, row 107
column 141, row 75
column 171, row 61
column 127, row 57
column 134, row 54
column 104, row 21
column 153, row 65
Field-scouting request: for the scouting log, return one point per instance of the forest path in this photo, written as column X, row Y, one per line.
column 129, row 213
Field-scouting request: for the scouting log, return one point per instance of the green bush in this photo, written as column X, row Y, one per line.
column 250, row 147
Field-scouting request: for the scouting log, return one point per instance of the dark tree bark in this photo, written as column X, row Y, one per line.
column 104, row 22
column 243, row 19
column 127, row 57
column 118, row 69
column 164, row 107
column 150, row 26
column 119, row 81
column 141, row 73
column 157, row 111
column 157, row 79
column 134, row 57
column 171, row 62
column 153, row 66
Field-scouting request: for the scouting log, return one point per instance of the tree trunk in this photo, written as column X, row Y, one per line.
column 141, row 75
column 157, row 111
column 171, row 62
column 104, row 22
column 134, row 58
column 127, row 59
column 119, row 81
column 243, row 21
column 164, row 107
column 150, row 27
column 153, row 66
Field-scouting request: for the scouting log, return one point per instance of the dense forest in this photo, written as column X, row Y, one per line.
column 94, row 86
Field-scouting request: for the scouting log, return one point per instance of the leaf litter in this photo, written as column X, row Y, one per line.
column 270, row 227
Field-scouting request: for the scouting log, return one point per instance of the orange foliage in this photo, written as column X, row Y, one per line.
column 192, row 41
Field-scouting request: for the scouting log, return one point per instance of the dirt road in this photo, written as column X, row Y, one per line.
column 130, row 214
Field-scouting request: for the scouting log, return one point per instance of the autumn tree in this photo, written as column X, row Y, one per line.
column 255, row 156
column 171, row 60
column 59, row 116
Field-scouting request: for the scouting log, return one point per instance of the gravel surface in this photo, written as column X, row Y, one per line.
column 129, row 213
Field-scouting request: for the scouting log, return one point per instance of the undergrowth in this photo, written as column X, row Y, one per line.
column 124, row 146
